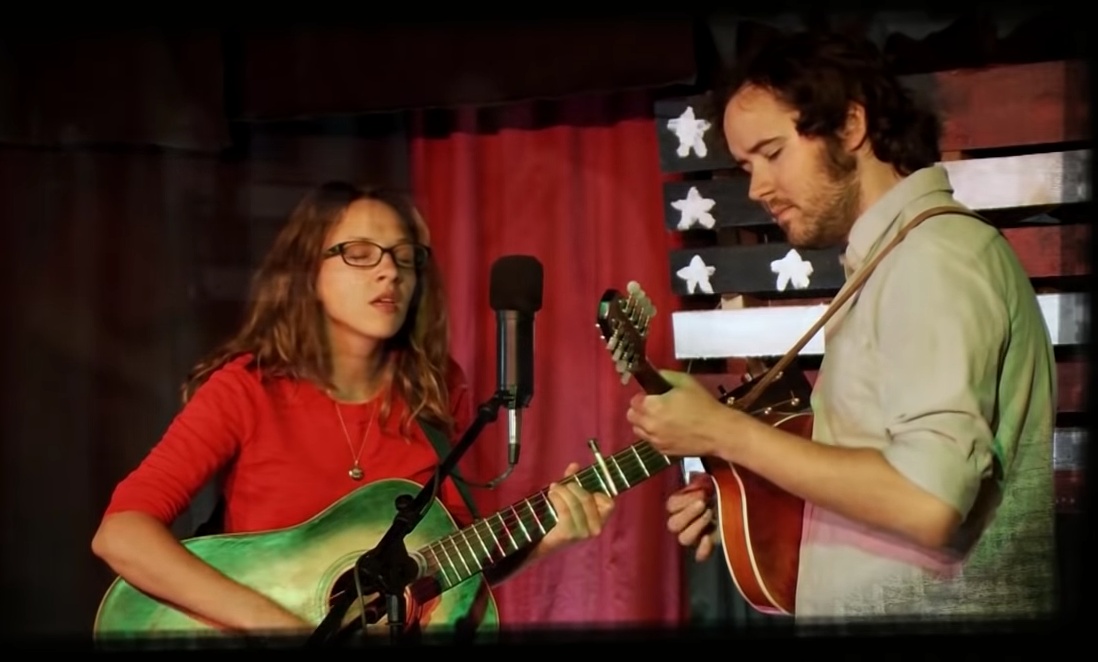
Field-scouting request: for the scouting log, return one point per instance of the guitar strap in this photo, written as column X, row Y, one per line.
column 441, row 444
column 442, row 447
column 855, row 284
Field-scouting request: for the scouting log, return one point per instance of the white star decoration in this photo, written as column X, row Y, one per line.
column 696, row 274
column 695, row 209
column 689, row 130
column 792, row 269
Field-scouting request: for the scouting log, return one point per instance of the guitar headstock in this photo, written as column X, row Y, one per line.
column 623, row 323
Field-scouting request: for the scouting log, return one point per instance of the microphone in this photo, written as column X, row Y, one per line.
column 515, row 295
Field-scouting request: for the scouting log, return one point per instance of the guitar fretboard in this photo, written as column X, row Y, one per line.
column 455, row 558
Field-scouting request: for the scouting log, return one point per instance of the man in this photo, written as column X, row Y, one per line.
column 928, row 482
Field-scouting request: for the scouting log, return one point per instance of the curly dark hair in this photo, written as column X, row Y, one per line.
column 819, row 74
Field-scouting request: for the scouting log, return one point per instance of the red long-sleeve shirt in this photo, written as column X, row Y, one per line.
column 287, row 453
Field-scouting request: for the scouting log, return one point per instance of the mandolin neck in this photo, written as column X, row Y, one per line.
column 650, row 379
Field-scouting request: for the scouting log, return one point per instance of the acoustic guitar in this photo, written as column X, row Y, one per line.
column 759, row 524
column 308, row 568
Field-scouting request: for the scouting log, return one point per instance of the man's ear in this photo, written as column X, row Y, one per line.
column 855, row 132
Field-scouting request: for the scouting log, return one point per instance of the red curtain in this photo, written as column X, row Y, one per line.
column 575, row 183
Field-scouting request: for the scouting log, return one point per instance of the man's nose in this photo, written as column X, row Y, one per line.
column 760, row 188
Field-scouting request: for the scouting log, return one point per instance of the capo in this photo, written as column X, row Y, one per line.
column 594, row 446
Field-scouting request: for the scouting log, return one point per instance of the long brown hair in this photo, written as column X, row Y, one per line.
column 283, row 327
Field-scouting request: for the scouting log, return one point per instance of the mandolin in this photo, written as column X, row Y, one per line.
column 759, row 523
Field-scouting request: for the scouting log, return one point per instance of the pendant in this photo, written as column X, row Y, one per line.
column 355, row 473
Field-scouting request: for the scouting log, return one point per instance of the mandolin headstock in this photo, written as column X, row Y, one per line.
column 623, row 322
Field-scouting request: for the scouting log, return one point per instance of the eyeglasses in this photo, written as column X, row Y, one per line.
column 362, row 253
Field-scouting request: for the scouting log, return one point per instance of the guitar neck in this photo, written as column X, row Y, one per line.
column 454, row 558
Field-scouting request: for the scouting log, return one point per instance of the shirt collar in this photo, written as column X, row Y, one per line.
column 884, row 216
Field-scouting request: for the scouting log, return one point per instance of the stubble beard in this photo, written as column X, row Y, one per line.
column 834, row 207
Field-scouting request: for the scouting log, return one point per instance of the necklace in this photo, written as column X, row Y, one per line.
column 356, row 471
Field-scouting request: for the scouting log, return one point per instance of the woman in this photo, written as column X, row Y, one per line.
column 344, row 347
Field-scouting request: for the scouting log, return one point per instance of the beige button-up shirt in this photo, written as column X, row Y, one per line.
column 942, row 362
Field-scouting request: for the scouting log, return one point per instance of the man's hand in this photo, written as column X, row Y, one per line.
column 680, row 422
column 692, row 517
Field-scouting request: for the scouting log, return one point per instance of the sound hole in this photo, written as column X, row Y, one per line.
column 344, row 592
column 344, row 589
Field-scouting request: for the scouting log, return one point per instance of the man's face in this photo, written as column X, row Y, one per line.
column 809, row 185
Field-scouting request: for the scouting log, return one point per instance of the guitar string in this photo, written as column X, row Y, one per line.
column 626, row 463
column 463, row 549
column 509, row 518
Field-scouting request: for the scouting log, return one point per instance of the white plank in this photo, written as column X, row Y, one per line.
column 771, row 331
column 762, row 331
column 1067, row 316
column 1069, row 449
column 1050, row 178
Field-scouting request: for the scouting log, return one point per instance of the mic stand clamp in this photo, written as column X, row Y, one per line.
column 388, row 569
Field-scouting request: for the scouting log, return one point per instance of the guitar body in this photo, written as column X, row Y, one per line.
column 302, row 568
column 760, row 527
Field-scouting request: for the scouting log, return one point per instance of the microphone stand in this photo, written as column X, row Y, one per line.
column 387, row 568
